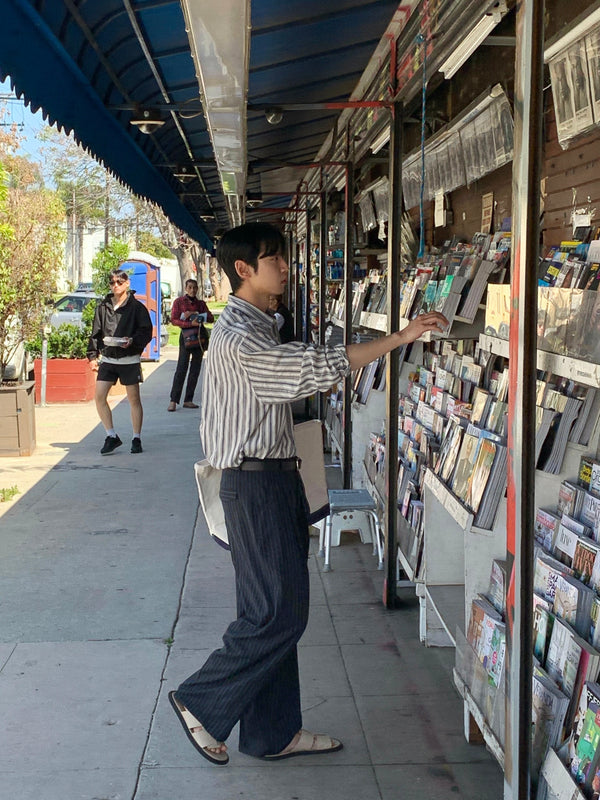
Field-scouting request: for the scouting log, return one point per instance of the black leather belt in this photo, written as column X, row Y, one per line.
column 270, row 464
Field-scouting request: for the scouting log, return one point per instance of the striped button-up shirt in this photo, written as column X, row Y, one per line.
column 249, row 380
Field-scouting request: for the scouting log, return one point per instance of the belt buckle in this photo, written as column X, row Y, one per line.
column 298, row 463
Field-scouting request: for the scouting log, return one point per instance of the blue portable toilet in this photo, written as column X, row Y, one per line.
column 145, row 281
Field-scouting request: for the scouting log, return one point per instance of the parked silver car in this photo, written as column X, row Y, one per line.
column 70, row 307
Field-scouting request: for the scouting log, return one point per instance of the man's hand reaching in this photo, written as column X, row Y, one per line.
column 432, row 321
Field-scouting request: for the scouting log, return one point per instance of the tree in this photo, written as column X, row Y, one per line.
column 31, row 250
column 153, row 245
column 186, row 250
column 106, row 259
column 81, row 184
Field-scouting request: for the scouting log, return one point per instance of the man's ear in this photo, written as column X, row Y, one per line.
column 243, row 269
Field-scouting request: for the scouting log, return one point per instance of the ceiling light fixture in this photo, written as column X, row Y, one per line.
column 473, row 39
column 253, row 199
column 274, row 115
column 147, row 120
column 184, row 174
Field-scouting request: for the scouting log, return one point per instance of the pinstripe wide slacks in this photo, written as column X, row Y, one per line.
column 253, row 678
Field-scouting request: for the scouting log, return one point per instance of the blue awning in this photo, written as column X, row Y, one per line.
column 88, row 65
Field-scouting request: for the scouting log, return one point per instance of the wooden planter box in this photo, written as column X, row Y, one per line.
column 17, row 420
column 68, row 380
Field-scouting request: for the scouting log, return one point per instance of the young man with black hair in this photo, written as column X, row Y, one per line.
column 122, row 318
column 247, row 430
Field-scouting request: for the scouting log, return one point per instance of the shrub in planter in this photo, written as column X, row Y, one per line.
column 69, row 377
column 66, row 341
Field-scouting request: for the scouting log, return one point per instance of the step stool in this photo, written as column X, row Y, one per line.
column 357, row 505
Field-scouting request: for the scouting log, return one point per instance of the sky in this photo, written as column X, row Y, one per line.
column 28, row 124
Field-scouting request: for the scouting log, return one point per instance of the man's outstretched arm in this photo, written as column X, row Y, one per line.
column 362, row 354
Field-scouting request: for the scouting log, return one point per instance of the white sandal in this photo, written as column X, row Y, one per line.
column 198, row 736
column 308, row 744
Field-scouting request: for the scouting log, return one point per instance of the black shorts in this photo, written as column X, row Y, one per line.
column 128, row 374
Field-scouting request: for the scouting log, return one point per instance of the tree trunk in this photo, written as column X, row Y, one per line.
column 219, row 282
column 187, row 268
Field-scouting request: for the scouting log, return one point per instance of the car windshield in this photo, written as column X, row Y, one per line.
column 71, row 303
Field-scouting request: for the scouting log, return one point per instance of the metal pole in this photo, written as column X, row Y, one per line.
column 323, row 268
column 293, row 267
column 348, row 276
column 307, row 277
column 521, row 405
column 322, row 287
column 393, row 358
column 297, row 297
column 44, row 370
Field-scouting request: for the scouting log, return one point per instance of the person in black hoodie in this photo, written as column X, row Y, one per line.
column 121, row 330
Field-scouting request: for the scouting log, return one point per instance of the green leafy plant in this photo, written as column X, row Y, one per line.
column 8, row 493
column 108, row 257
column 31, row 249
column 66, row 341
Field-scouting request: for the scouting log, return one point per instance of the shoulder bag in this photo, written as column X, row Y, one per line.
column 309, row 448
column 191, row 339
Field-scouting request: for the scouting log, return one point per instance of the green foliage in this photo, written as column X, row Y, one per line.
column 8, row 493
column 66, row 341
column 87, row 315
column 174, row 333
column 153, row 245
column 31, row 251
column 107, row 258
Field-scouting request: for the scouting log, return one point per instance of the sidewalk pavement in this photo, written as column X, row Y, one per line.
column 112, row 592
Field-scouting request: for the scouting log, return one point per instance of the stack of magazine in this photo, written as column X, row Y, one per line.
column 452, row 420
column 566, row 625
column 565, row 412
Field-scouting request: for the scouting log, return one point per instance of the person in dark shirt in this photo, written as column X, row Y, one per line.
column 184, row 315
column 121, row 330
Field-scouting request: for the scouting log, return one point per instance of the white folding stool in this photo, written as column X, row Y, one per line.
column 350, row 500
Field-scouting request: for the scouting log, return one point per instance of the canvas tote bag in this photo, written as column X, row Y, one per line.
column 309, row 448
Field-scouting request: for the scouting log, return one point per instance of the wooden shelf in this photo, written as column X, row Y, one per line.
column 369, row 251
column 453, row 506
column 557, row 776
column 572, row 368
column 333, row 437
column 490, row 739
column 406, row 540
column 449, row 603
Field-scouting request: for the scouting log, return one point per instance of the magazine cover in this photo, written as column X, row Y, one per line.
column 563, row 98
column 481, row 472
column 464, row 465
column 592, row 44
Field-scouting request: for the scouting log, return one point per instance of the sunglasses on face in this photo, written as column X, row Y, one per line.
column 117, row 281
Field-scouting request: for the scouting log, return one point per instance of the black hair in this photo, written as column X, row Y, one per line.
column 246, row 243
column 119, row 273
